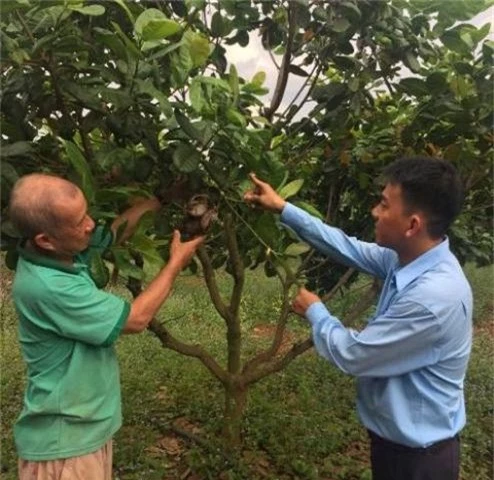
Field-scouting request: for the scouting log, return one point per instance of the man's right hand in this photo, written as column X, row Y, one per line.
column 264, row 195
column 182, row 252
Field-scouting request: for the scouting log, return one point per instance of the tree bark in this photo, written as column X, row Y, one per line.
column 235, row 404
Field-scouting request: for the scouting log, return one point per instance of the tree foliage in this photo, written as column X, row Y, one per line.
column 133, row 98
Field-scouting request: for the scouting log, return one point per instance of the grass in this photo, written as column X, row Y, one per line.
column 300, row 423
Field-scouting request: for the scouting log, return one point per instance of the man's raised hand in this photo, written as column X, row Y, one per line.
column 264, row 195
column 182, row 252
column 303, row 301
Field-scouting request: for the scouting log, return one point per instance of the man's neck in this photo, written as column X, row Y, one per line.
column 414, row 251
column 49, row 253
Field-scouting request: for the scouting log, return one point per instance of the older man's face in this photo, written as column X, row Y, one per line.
column 76, row 227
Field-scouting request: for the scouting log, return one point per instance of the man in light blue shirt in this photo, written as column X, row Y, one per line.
column 411, row 358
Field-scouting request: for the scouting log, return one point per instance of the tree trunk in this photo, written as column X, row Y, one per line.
column 235, row 403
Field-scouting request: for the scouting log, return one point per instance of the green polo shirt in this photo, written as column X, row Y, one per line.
column 67, row 328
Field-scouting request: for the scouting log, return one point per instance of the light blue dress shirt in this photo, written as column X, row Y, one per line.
column 411, row 358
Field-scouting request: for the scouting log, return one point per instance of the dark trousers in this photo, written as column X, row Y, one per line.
column 391, row 461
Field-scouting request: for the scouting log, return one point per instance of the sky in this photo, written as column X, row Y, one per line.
column 253, row 58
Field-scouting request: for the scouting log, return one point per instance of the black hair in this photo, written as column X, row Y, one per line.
column 431, row 185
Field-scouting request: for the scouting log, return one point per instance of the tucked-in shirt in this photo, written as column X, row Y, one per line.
column 67, row 328
column 411, row 358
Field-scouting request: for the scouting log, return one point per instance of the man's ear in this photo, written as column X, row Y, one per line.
column 416, row 225
column 43, row 241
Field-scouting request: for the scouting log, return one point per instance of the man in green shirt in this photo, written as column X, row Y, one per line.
column 67, row 329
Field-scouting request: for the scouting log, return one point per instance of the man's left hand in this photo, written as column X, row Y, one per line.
column 303, row 301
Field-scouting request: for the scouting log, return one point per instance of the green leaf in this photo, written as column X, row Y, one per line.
column 152, row 24
column 411, row 62
column 265, row 226
column 147, row 248
column 123, row 262
column 414, row 86
column 258, row 79
column 147, row 87
column 301, row 14
column 233, row 81
column 296, row 249
column 272, row 170
column 91, row 10
column 236, row 117
column 351, row 11
column 309, row 209
column 181, row 63
column 296, row 70
column 98, row 270
column 129, row 44
column 291, row 188
column 109, row 39
column 353, row 84
column 80, row 165
column 340, row 25
column 164, row 51
column 321, row 14
column 122, row 4
column 437, row 82
column 198, row 4
column 199, row 47
column 11, row 258
column 187, row 126
column 220, row 26
column 186, row 158
column 16, row 149
column 452, row 39
column 88, row 96
column 9, row 173
column 196, row 96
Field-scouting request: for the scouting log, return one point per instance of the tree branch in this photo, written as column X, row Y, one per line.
column 86, row 145
column 212, row 284
column 364, row 302
column 284, row 69
column 343, row 279
column 237, row 264
column 196, row 351
column 268, row 354
column 169, row 341
column 279, row 364
column 234, row 334
column 309, row 91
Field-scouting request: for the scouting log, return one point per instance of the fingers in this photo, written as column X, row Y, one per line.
column 251, row 197
column 256, row 181
column 254, row 196
column 197, row 241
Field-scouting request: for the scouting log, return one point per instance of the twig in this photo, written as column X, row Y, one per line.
column 343, row 279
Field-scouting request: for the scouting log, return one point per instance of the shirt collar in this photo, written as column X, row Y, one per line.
column 408, row 273
column 45, row 261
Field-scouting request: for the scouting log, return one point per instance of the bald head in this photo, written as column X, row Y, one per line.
column 36, row 201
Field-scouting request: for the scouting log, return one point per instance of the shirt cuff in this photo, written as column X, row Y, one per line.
column 316, row 313
column 290, row 213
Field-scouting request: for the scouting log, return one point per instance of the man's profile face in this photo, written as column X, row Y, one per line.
column 76, row 227
column 391, row 217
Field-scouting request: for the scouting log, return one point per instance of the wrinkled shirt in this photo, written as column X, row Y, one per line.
column 411, row 358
